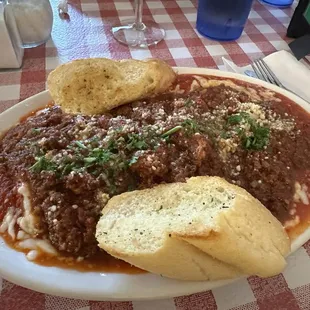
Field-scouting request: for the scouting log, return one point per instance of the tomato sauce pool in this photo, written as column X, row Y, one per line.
column 100, row 262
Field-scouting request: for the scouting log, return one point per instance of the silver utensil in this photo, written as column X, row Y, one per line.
column 263, row 72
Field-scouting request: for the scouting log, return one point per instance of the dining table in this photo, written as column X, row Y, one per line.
column 85, row 31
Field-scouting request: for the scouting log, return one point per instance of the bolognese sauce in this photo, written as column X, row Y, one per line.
column 58, row 170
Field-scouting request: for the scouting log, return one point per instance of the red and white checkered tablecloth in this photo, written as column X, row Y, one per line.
column 86, row 33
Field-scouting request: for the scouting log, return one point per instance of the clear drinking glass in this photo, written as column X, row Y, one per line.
column 137, row 33
column 34, row 20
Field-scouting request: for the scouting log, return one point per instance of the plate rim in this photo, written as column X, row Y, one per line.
column 164, row 287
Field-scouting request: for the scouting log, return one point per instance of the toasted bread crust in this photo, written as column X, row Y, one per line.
column 96, row 85
column 244, row 238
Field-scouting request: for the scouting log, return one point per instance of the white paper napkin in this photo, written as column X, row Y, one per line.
column 293, row 74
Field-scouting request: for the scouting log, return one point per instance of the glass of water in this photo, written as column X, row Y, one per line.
column 279, row 3
column 222, row 20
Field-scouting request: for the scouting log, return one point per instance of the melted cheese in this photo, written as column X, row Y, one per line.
column 9, row 221
column 28, row 222
column 301, row 193
column 32, row 255
column 22, row 235
column 33, row 244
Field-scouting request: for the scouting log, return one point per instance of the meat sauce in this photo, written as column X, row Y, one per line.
column 72, row 164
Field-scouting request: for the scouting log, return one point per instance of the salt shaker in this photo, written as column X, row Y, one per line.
column 34, row 19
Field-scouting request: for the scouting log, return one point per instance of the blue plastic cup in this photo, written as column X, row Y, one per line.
column 222, row 20
column 279, row 3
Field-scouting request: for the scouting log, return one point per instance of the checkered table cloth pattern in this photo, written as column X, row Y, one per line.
column 86, row 33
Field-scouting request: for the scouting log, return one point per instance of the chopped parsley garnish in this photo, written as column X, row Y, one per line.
column 43, row 164
column 80, row 145
column 234, row 119
column 171, row 131
column 99, row 156
column 238, row 118
column 118, row 154
column 191, row 126
column 67, row 169
column 258, row 140
column 257, row 136
column 188, row 102
column 110, row 159
column 133, row 160
column 36, row 131
column 90, row 160
column 135, row 141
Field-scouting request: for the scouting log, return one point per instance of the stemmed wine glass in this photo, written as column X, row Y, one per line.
column 138, row 33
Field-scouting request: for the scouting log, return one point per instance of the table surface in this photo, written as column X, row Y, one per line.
column 86, row 33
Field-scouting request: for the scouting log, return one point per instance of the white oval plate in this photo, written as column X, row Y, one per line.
column 106, row 286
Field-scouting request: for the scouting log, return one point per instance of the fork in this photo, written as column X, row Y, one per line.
column 263, row 72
